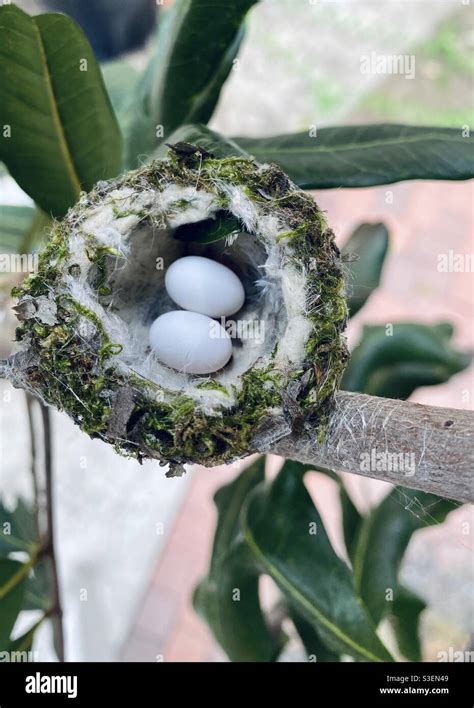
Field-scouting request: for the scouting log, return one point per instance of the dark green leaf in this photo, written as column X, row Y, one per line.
column 17, row 528
column 38, row 594
column 228, row 598
column 12, row 591
column 222, row 225
column 366, row 155
column 286, row 535
column 405, row 617
column 351, row 521
column 195, row 46
column 315, row 648
column 64, row 135
column 14, row 223
column 370, row 243
column 394, row 363
column 383, row 539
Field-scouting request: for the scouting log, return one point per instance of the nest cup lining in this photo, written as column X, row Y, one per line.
column 138, row 297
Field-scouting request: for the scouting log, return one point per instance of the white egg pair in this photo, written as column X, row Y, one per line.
column 189, row 340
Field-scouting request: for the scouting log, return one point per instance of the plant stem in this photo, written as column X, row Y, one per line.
column 49, row 548
column 30, row 401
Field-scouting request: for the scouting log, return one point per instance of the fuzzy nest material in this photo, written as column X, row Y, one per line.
column 86, row 312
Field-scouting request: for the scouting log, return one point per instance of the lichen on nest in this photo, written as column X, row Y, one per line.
column 85, row 313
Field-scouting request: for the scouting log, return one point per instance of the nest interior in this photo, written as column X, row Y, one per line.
column 86, row 313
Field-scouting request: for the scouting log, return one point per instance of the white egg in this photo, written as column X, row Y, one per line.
column 190, row 342
column 203, row 285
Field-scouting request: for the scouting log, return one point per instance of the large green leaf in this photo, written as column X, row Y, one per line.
column 227, row 599
column 394, row 362
column 405, row 617
column 370, row 243
column 286, row 535
column 195, row 46
column 366, row 155
column 316, row 650
column 382, row 541
column 12, row 590
column 64, row 135
column 14, row 223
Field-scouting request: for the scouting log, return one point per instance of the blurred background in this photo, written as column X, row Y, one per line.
column 131, row 543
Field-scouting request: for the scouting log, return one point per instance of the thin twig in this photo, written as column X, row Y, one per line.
column 49, row 549
column 30, row 402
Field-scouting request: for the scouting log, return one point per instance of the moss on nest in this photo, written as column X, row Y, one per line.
column 72, row 361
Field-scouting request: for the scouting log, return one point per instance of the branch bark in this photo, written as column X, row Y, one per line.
column 422, row 447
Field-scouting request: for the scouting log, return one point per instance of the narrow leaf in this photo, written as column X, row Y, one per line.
column 12, row 590
column 286, row 535
column 405, row 617
column 366, row 155
column 209, row 230
column 394, row 363
column 195, row 46
column 383, row 539
column 17, row 528
column 228, row 598
column 370, row 243
column 62, row 135
column 316, row 650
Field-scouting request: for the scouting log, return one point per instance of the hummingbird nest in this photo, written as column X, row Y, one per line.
column 85, row 314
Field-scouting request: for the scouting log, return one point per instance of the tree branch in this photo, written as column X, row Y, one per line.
column 422, row 447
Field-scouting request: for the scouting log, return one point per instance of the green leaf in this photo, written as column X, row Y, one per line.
column 121, row 80
column 209, row 230
column 14, row 223
column 23, row 643
column 395, row 363
column 316, row 650
column 405, row 618
column 383, row 539
column 228, row 598
column 351, row 521
column 286, row 535
column 64, row 134
column 370, row 243
column 366, row 155
column 17, row 528
column 195, row 46
column 12, row 590
column 39, row 591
